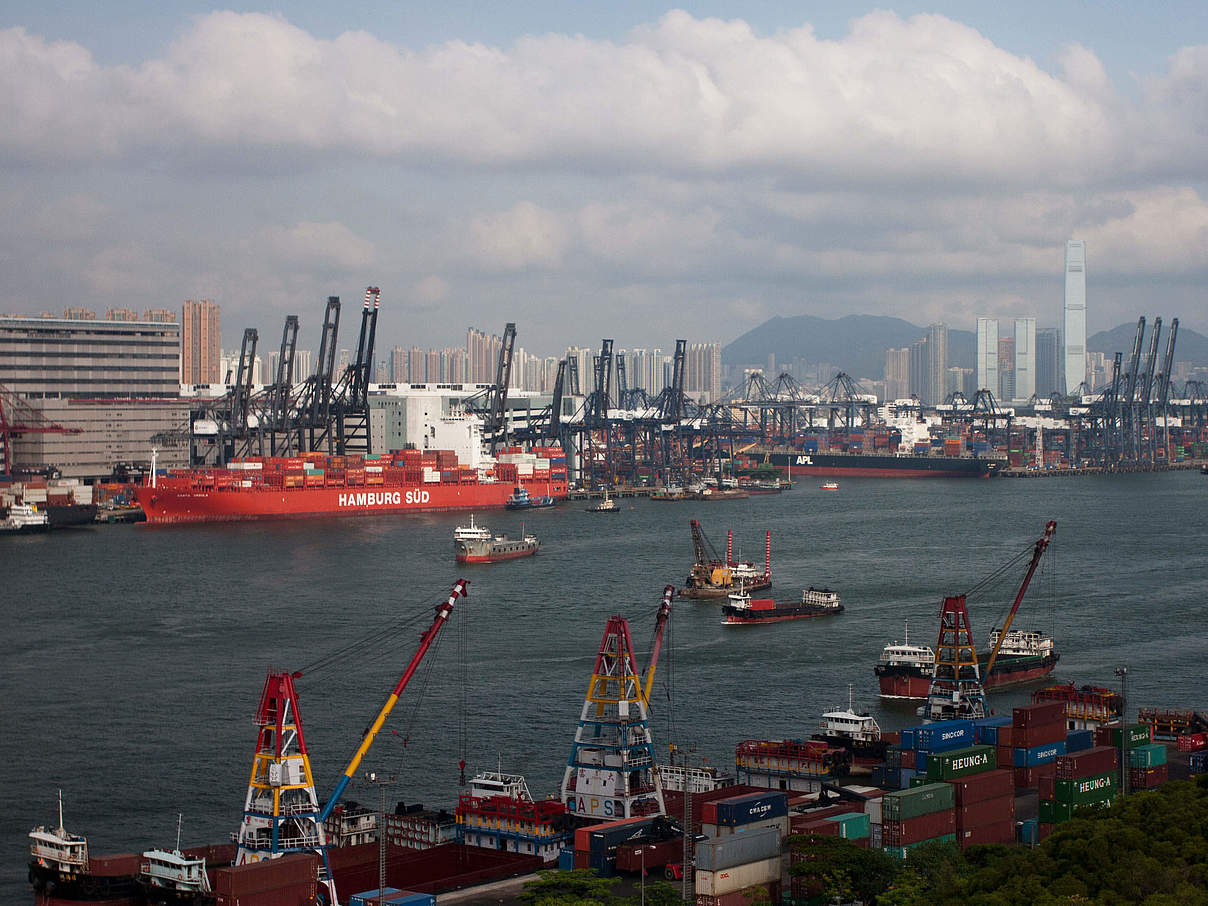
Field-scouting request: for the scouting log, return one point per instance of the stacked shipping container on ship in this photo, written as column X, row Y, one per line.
column 316, row 484
column 796, row 765
column 747, row 812
column 984, row 795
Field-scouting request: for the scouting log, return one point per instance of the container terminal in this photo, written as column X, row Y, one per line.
column 966, row 777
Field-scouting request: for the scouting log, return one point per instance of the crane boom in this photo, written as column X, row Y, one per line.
column 442, row 615
column 660, row 625
column 1037, row 553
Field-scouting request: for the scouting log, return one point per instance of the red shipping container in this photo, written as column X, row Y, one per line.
column 1192, row 742
column 1038, row 714
column 1039, row 734
column 820, row 826
column 908, row 758
column 988, row 811
column 989, row 785
column 1086, row 763
column 1005, row 754
column 115, row 866
column 998, row 832
column 1147, row 778
column 270, row 874
column 913, row 830
column 1025, row 778
column 1043, row 830
column 1046, row 787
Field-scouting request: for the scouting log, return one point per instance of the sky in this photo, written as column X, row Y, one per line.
column 589, row 170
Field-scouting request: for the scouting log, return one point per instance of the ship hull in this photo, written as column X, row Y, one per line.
column 904, row 683
column 711, row 592
column 878, row 465
column 496, row 551
column 167, row 504
column 69, row 515
column 734, row 616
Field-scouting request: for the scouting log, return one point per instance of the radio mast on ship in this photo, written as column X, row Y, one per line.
column 611, row 773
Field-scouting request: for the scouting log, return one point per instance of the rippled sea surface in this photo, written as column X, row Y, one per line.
column 135, row 656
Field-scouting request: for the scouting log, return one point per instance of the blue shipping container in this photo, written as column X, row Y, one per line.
column 985, row 729
column 566, row 859
column 944, row 736
column 904, row 775
column 1079, row 740
column 1028, row 831
column 920, row 762
column 1030, row 758
column 810, row 445
column 396, row 897
column 752, row 807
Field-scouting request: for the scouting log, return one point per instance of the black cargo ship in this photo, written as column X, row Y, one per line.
column 879, row 465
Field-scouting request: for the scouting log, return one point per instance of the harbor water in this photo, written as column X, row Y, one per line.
column 135, row 656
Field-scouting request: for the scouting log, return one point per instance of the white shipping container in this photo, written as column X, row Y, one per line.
column 432, row 477
column 540, row 463
column 872, row 808
column 732, row 880
column 82, row 494
column 524, row 468
column 373, row 468
column 722, row 830
column 34, row 495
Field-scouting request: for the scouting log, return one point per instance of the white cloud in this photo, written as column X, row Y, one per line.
column 523, row 236
column 312, row 245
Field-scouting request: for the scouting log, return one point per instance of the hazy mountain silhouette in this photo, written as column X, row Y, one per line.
column 856, row 344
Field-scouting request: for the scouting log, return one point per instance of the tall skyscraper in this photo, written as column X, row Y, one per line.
column 1025, row 358
column 937, row 363
column 1047, row 368
column 1074, row 331
column 987, row 355
column 200, row 336
column 897, row 373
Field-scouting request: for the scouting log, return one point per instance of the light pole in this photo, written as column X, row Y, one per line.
column 1122, row 672
column 381, row 781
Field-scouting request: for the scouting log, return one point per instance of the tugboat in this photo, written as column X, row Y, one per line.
column 24, row 519
column 904, row 670
column 607, row 505
column 522, row 500
column 475, row 544
column 740, row 608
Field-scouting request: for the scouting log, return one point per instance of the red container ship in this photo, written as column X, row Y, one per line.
column 315, row 484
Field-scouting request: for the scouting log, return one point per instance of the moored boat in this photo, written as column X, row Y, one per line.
column 713, row 577
column 521, row 499
column 24, row 519
column 740, row 608
column 857, row 732
column 60, row 867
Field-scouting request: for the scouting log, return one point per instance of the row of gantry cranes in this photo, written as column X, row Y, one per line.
column 615, row 434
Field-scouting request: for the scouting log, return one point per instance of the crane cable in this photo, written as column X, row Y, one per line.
column 373, row 646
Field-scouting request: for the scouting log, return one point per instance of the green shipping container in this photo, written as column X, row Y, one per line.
column 1138, row 735
column 899, row 852
column 1086, row 789
column 902, row 805
column 1054, row 812
column 853, row 825
column 1150, row 756
column 920, row 780
column 961, row 763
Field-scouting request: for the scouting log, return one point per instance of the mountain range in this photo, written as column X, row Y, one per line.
column 856, row 344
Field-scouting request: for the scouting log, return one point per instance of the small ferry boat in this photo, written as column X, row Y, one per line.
column 829, row 486
column 171, row 877
column 815, row 602
column 858, row 732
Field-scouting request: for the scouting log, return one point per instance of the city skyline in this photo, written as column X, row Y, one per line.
column 581, row 168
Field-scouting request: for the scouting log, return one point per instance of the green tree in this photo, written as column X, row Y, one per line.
column 580, row 887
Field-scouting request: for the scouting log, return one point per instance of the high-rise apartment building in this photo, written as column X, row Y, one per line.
column 897, row 373
column 200, row 341
column 1074, row 331
column 987, row 355
column 702, row 371
column 1006, row 369
column 1048, row 344
column 1025, row 358
column 937, row 364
